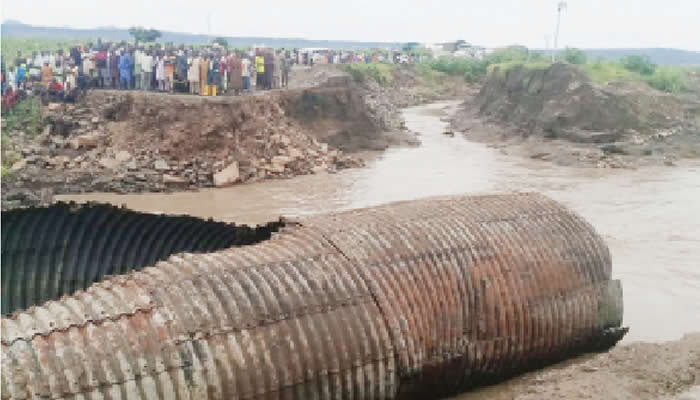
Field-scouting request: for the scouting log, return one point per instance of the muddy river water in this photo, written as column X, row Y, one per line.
column 649, row 217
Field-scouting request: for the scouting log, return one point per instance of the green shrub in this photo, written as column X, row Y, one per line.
column 668, row 79
column 609, row 71
column 381, row 73
column 573, row 56
column 471, row 69
column 25, row 115
column 639, row 64
column 507, row 55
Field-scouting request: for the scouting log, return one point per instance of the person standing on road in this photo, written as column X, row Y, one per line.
column 245, row 73
column 259, row 71
column 137, row 69
column 46, row 75
column 146, row 70
column 204, row 75
column 114, row 68
column 235, row 74
column 193, row 74
column 286, row 66
column 160, row 71
column 126, row 62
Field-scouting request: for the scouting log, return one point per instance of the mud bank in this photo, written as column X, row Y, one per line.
column 556, row 113
column 643, row 371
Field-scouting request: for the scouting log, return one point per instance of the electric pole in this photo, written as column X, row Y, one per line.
column 560, row 7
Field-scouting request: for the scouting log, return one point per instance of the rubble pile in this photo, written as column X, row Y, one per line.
column 133, row 142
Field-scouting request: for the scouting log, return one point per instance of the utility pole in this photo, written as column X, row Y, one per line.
column 209, row 28
column 560, row 7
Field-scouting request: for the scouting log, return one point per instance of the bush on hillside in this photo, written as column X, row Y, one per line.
column 573, row 56
column 639, row 64
column 668, row 79
column 381, row 73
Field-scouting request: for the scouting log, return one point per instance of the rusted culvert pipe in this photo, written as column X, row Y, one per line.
column 408, row 300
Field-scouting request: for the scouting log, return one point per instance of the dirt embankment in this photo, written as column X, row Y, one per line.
column 556, row 113
column 134, row 141
column 638, row 371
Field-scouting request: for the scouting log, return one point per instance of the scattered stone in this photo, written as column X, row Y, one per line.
column 95, row 120
column 448, row 133
column 122, row 156
column 131, row 165
column 109, row 162
column 227, row 176
column 56, row 107
column 167, row 178
column 19, row 165
column 541, row 156
column 161, row 165
column 294, row 153
column 88, row 141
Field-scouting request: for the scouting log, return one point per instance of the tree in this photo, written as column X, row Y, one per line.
column 573, row 56
column 141, row 34
column 221, row 41
column 640, row 64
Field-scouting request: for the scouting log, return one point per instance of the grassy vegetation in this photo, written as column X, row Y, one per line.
column 25, row 116
column 382, row 73
column 630, row 68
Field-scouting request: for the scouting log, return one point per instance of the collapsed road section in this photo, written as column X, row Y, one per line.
column 413, row 299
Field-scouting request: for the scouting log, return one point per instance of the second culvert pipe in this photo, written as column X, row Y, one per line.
column 406, row 300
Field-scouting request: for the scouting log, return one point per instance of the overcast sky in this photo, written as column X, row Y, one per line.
column 586, row 23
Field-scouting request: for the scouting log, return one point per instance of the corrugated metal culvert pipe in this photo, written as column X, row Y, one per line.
column 409, row 300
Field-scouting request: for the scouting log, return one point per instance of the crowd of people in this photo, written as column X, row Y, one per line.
column 207, row 71
column 210, row 70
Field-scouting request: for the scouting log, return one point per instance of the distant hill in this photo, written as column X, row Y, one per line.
column 15, row 29
column 657, row 55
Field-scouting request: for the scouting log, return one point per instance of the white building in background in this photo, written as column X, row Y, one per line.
column 456, row 49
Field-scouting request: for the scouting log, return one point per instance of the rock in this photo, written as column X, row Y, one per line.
column 56, row 107
column 131, row 165
column 281, row 160
column 85, row 141
column 161, row 165
column 83, row 122
column 227, row 176
column 47, row 130
column 613, row 149
column 19, row 165
column 57, row 140
column 95, row 120
column 109, row 162
column 319, row 168
column 448, row 133
column 122, row 156
column 541, row 156
column 167, row 178
column 295, row 153
column 59, row 161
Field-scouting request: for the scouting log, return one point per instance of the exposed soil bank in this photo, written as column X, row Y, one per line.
column 638, row 371
column 556, row 113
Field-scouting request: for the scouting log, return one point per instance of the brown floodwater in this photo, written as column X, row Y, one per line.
column 649, row 217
